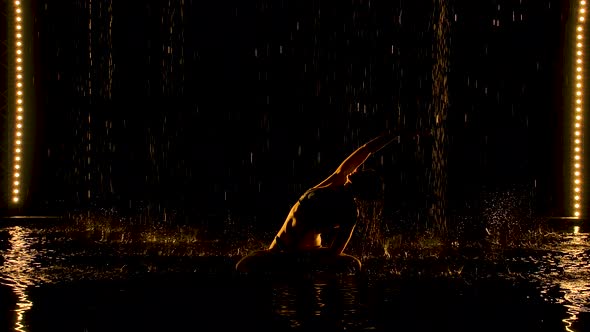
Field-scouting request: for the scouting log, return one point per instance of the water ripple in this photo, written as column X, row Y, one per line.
column 564, row 271
column 560, row 271
column 18, row 270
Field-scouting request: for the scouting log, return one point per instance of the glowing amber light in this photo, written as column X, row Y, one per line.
column 18, row 67
column 577, row 131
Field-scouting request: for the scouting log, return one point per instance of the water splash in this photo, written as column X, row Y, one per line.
column 372, row 238
column 509, row 219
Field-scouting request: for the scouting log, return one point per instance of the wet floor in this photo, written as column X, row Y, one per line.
column 64, row 284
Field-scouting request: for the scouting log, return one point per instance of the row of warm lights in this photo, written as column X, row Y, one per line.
column 16, row 180
column 578, row 131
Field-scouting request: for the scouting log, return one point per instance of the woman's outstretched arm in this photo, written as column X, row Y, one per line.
column 357, row 158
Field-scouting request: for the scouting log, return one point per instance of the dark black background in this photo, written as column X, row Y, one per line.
column 258, row 100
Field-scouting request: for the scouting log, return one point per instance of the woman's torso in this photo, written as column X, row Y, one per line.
column 318, row 212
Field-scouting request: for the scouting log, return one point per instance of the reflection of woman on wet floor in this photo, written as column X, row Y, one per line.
column 324, row 217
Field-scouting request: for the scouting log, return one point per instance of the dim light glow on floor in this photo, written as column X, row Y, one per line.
column 578, row 115
column 16, row 180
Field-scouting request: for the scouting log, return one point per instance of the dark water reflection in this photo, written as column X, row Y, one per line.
column 565, row 269
column 18, row 271
column 311, row 304
column 48, row 285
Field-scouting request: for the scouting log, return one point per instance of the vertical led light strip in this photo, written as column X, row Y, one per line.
column 19, row 96
column 578, row 128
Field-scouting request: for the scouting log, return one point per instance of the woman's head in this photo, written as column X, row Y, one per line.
column 366, row 184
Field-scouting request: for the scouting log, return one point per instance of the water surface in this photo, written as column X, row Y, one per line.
column 52, row 282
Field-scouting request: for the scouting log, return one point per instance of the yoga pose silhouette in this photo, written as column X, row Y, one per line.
column 323, row 219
